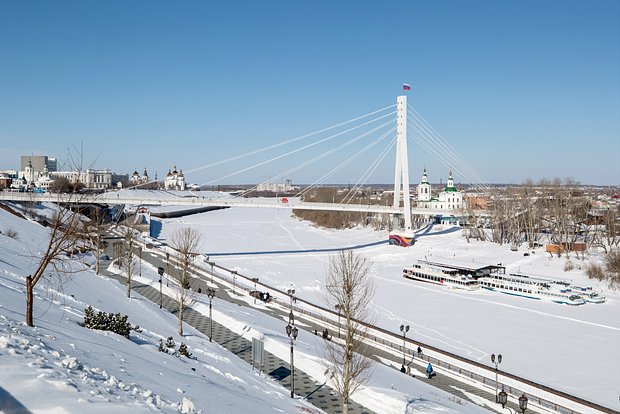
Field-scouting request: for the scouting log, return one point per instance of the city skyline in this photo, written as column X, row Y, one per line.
column 520, row 90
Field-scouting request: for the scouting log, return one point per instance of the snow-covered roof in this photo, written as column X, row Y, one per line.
column 459, row 264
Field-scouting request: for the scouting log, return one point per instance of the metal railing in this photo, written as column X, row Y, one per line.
column 395, row 342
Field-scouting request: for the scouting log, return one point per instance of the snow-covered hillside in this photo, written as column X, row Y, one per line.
column 61, row 367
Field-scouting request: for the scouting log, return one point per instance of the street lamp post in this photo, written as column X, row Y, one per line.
column 291, row 331
column 291, row 292
column 211, row 294
column 404, row 329
column 211, row 263
column 160, row 270
column 503, row 399
column 338, row 308
column 255, row 279
column 496, row 361
column 140, row 256
column 234, row 274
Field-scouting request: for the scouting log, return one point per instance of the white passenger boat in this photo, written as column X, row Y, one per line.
column 534, row 287
column 440, row 275
column 587, row 293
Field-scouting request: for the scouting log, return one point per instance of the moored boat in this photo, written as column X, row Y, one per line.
column 533, row 287
column 440, row 275
column 594, row 298
column 587, row 293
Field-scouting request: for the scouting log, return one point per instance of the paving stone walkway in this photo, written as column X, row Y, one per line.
column 318, row 394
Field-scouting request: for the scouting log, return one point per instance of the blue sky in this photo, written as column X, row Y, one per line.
column 521, row 89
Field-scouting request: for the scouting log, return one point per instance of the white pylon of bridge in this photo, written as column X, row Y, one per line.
column 401, row 172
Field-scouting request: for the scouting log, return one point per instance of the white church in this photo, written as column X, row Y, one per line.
column 448, row 199
column 175, row 180
column 136, row 178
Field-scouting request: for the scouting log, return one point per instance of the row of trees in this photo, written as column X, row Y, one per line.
column 558, row 210
column 343, row 219
column 71, row 232
column 185, row 242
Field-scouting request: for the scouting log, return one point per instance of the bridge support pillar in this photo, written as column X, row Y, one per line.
column 401, row 235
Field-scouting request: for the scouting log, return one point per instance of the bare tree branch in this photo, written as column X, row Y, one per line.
column 186, row 242
column 351, row 291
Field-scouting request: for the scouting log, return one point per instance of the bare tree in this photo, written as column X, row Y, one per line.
column 498, row 213
column 186, row 242
column 66, row 237
column 127, row 259
column 61, row 185
column 349, row 288
column 530, row 216
column 97, row 230
column 611, row 231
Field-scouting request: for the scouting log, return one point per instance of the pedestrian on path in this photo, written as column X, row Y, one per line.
column 429, row 371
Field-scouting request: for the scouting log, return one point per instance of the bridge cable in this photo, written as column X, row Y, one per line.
column 371, row 169
column 469, row 172
column 237, row 157
column 445, row 153
column 316, row 158
column 438, row 154
column 257, row 151
column 432, row 149
column 343, row 164
column 297, row 150
column 369, row 172
column 431, row 132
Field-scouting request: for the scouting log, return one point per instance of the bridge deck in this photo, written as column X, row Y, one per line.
column 150, row 199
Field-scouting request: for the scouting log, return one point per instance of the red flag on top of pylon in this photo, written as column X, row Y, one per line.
column 406, row 87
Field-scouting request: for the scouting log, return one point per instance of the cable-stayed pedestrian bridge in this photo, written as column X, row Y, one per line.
column 379, row 132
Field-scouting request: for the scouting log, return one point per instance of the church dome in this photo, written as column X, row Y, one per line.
column 450, row 188
column 424, row 178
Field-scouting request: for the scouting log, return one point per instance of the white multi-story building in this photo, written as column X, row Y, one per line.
column 276, row 187
column 90, row 178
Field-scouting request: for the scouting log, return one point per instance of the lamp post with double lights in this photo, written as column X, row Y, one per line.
column 255, row 279
column 404, row 329
column 496, row 361
column 211, row 295
column 503, row 399
column 291, row 331
column 290, row 293
column 160, row 270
